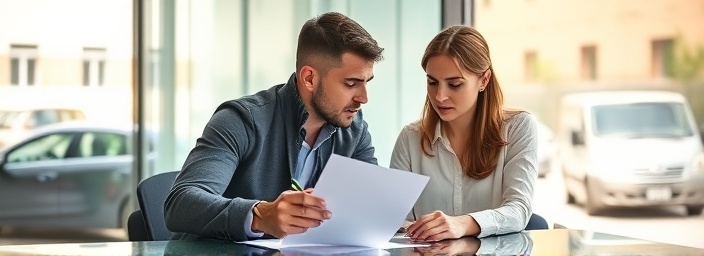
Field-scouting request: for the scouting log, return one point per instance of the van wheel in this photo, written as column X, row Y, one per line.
column 694, row 210
column 593, row 207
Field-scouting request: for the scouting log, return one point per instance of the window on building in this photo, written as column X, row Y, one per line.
column 531, row 66
column 23, row 61
column 589, row 62
column 93, row 66
column 662, row 57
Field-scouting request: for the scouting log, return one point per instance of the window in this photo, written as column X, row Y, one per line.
column 69, row 115
column 102, row 144
column 531, row 66
column 93, row 66
column 43, row 117
column 642, row 120
column 589, row 62
column 23, row 61
column 662, row 58
column 49, row 147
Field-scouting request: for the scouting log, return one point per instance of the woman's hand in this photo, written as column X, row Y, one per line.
column 438, row 226
column 462, row 246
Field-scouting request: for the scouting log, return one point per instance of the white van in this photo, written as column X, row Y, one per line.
column 630, row 148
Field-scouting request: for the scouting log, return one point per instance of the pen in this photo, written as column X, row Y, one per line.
column 295, row 186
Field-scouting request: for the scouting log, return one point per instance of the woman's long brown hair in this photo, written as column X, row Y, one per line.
column 470, row 51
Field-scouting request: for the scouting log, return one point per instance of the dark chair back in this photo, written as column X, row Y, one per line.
column 151, row 195
column 536, row 222
column 136, row 228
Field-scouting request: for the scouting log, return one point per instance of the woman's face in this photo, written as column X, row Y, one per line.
column 452, row 92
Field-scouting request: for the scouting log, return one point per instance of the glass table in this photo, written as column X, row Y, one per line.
column 539, row 242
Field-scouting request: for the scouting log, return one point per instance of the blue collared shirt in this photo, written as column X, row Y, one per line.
column 304, row 168
column 306, row 156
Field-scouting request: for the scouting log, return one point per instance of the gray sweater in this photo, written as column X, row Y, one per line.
column 248, row 153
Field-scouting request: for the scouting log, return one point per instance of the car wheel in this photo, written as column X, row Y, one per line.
column 694, row 210
column 592, row 206
column 124, row 216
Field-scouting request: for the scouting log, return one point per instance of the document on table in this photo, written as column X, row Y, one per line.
column 368, row 204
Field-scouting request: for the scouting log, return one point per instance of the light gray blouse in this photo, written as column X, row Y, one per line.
column 500, row 203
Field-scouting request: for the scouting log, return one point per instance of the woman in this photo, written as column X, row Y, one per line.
column 481, row 158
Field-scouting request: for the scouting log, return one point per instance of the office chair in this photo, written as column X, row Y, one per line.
column 136, row 228
column 536, row 222
column 147, row 223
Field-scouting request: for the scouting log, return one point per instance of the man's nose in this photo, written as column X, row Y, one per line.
column 361, row 96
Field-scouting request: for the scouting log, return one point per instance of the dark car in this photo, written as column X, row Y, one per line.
column 71, row 174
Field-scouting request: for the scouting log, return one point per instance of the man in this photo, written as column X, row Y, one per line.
column 236, row 182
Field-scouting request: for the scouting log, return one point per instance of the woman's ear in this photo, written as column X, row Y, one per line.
column 486, row 77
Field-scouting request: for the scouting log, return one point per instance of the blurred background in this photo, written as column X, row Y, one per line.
column 96, row 96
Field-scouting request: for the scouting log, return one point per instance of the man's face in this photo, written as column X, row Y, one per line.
column 341, row 92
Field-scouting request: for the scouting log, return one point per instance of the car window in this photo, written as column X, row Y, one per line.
column 69, row 115
column 43, row 117
column 102, row 144
column 7, row 118
column 49, row 147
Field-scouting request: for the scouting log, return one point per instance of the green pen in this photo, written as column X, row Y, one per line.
column 295, row 186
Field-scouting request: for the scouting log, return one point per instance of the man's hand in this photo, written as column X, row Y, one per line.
column 293, row 212
column 438, row 226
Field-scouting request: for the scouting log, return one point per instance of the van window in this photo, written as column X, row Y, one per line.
column 641, row 120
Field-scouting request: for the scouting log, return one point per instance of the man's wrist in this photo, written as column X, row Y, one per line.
column 256, row 218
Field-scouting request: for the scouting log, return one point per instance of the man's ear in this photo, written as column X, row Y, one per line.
column 307, row 77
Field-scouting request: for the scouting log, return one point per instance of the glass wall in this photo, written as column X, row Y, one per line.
column 201, row 53
column 65, row 115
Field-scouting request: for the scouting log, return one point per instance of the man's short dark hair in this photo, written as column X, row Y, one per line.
column 324, row 39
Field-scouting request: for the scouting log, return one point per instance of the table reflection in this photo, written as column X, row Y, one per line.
column 509, row 244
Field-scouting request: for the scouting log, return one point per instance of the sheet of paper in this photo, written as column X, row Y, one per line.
column 368, row 203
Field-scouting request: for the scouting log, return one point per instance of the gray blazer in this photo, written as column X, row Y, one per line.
column 248, row 153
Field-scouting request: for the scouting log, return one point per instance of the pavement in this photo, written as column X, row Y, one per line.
column 18, row 236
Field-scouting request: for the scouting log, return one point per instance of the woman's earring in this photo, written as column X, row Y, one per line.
column 481, row 89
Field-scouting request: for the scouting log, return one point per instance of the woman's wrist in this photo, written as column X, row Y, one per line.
column 471, row 226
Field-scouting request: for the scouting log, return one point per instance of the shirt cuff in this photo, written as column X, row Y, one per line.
column 248, row 225
column 487, row 226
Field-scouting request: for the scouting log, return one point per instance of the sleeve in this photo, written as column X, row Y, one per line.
column 401, row 160
column 195, row 204
column 248, row 225
column 519, row 176
column 400, row 156
column 364, row 151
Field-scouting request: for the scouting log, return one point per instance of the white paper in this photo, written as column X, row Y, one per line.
column 368, row 203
